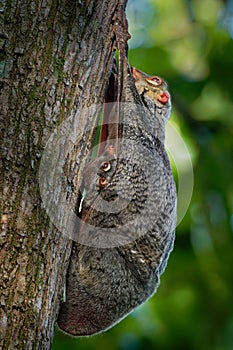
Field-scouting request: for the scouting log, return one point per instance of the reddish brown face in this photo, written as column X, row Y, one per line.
column 154, row 86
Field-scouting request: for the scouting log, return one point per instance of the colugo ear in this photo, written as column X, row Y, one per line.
column 137, row 74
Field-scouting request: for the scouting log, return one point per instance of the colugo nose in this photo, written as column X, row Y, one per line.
column 163, row 97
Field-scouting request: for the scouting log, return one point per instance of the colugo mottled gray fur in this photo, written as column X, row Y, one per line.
column 128, row 215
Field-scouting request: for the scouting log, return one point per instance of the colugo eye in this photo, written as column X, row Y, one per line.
column 102, row 182
column 105, row 166
column 155, row 81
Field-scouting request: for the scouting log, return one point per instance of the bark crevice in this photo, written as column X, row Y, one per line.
column 55, row 61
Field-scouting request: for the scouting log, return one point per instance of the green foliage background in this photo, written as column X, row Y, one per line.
column 189, row 43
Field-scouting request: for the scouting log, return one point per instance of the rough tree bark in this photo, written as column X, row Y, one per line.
column 55, row 58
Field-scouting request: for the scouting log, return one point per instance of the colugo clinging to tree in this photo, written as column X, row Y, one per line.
column 128, row 215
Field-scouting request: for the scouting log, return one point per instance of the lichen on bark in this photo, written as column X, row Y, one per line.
column 55, row 59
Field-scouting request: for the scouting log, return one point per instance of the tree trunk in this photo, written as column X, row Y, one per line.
column 55, row 59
